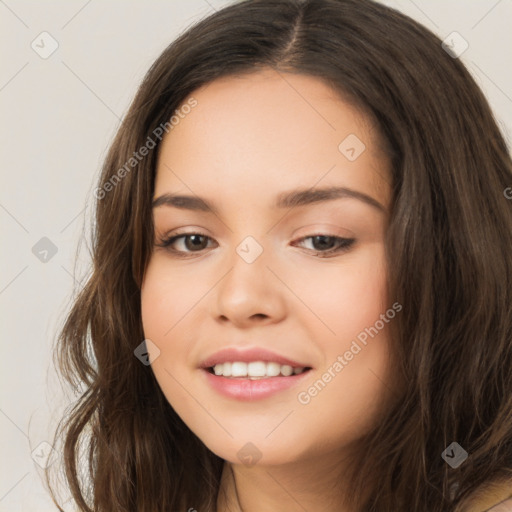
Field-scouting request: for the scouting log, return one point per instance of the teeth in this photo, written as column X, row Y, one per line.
column 286, row 370
column 273, row 369
column 239, row 369
column 255, row 370
column 226, row 369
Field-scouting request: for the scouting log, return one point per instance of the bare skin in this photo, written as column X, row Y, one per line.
column 248, row 140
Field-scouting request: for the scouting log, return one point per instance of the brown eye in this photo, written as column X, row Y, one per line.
column 195, row 242
column 185, row 243
column 327, row 245
column 323, row 242
column 188, row 243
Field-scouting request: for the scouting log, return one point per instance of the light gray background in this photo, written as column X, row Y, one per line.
column 58, row 117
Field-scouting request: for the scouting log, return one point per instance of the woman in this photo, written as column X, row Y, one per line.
column 342, row 338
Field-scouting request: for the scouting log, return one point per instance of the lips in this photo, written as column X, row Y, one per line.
column 252, row 374
column 230, row 355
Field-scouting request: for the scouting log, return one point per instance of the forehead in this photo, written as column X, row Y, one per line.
column 271, row 130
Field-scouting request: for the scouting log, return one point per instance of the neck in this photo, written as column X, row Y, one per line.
column 315, row 484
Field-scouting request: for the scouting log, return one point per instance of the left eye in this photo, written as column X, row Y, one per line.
column 323, row 245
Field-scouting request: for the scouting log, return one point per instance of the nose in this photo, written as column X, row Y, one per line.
column 249, row 294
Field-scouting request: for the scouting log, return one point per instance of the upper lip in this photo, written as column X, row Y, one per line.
column 247, row 356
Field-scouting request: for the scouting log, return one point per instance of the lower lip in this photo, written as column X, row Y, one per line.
column 247, row 389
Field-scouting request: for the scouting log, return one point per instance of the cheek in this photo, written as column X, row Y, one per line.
column 163, row 303
column 362, row 296
column 347, row 298
column 167, row 296
column 171, row 308
column 345, row 394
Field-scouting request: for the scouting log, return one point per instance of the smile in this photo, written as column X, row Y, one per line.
column 251, row 373
column 255, row 370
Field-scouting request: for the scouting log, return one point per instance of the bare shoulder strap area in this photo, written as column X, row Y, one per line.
column 504, row 506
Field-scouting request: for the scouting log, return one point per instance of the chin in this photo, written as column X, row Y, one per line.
column 256, row 450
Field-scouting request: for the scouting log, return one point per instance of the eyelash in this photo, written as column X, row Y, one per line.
column 344, row 244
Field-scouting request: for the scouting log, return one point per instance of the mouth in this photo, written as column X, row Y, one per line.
column 252, row 374
column 255, row 370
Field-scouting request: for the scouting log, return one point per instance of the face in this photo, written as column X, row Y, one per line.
column 259, row 268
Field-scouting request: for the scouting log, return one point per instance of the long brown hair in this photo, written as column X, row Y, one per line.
column 449, row 246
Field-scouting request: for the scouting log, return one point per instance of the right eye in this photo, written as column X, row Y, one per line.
column 190, row 243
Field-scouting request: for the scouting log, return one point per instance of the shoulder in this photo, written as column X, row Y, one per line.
column 504, row 506
column 492, row 497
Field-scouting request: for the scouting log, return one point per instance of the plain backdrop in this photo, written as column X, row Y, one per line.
column 59, row 115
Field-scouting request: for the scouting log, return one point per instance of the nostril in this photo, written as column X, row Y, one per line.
column 259, row 316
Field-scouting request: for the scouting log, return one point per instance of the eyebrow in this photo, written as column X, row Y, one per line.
column 290, row 199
